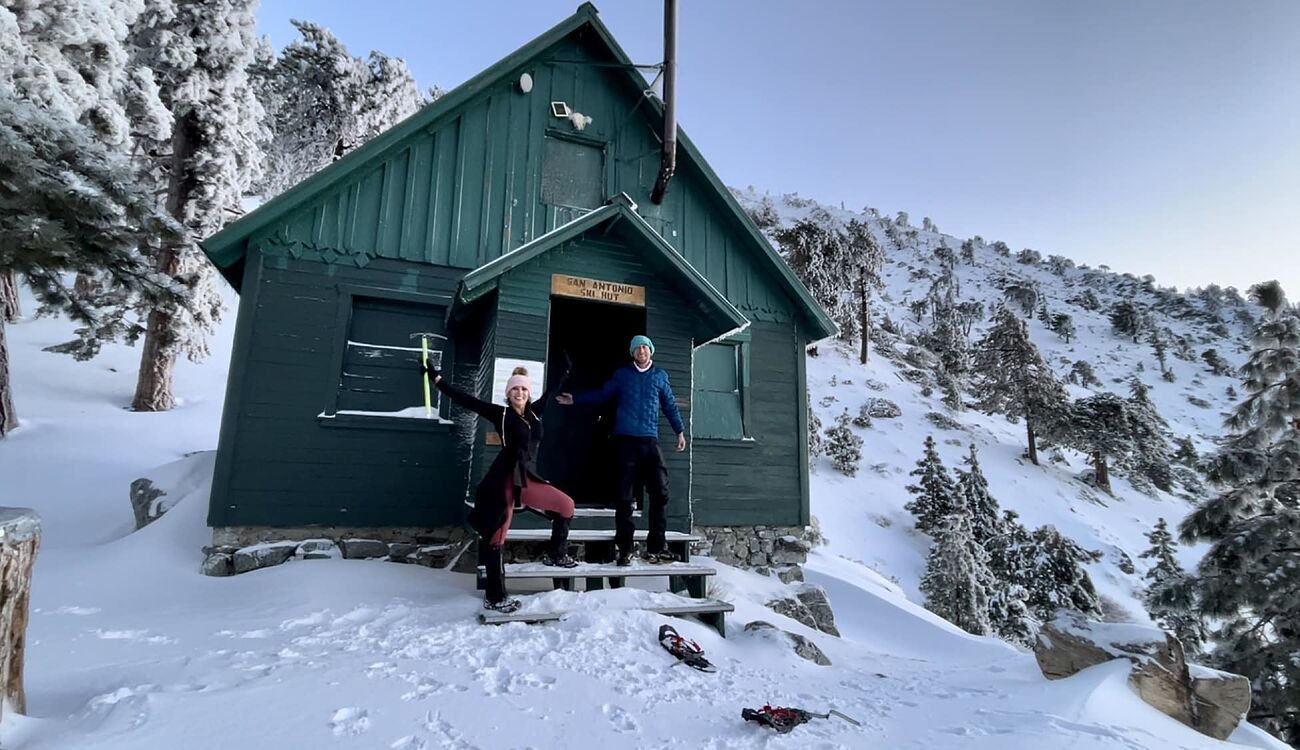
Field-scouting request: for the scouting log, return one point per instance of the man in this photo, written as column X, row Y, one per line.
column 641, row 391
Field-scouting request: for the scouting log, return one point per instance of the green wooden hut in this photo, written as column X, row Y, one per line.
column 492, row 227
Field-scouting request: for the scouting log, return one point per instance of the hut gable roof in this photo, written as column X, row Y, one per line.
column 228, row 248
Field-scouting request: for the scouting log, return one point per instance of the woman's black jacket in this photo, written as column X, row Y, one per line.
column 521, row 437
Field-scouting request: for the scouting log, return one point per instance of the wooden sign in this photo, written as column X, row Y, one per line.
column 597, row 290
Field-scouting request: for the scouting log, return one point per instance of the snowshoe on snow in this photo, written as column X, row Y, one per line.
column 688, row 652
column 785, row 719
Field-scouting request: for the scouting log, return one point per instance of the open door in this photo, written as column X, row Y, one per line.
column 577, row 454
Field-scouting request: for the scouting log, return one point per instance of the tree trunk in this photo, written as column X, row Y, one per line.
column 865, row 315
column 1029, row 436
column 1101, row 471
column 153, row 387
column 20, row 535
column 8, row 417
column 10, row 312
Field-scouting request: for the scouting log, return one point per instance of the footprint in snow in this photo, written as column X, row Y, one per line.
column 350, row 721
column 621, row 720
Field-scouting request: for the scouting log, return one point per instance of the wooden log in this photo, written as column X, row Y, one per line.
column 20, row 535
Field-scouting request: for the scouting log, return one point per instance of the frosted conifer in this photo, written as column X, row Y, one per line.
column 955, row 573
column 323, row 102
column 935, row 495
column 1102, row 427
column 1169, row 598
column 1012, row 378
column 1247, row 580
column 843, row 445
column 198, row 54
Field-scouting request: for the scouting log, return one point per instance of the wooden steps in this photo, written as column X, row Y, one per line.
column 637, row 569
column 599, row 572
column 681, row 576
column 593, row 535
column 711, row 612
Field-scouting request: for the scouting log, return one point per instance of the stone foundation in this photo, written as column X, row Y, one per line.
column 770, row 550
column 244, row 548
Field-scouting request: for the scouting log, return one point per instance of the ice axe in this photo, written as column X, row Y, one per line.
column 424, row 337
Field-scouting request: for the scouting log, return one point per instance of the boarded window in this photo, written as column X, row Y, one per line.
column 718, row 401
column 573, row 174
column 381, row 359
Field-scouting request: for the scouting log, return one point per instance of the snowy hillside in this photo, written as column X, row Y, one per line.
column 865, row 513
column 130, row 647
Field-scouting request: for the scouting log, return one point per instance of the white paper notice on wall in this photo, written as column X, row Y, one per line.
column 501, row 373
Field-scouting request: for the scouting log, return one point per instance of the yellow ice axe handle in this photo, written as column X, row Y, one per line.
column 424, row 360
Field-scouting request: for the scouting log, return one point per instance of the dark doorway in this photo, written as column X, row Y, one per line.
column 577, row 454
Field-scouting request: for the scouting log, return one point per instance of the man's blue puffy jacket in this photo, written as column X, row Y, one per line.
column 640, row 396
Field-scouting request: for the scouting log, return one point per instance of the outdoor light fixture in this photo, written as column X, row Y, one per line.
column 525, row 82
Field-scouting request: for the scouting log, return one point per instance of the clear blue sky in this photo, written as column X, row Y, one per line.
column 1160, row 136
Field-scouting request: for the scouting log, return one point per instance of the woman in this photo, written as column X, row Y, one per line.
column 512, row 478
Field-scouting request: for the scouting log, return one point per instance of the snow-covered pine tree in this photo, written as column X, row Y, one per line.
column 815, row 445
column 869, row 258
column 1081, row 373
column 968, row 252
column 1151, row 454
column 764, row 214
column 968, row 313
column 1012, row 556
column 1247, row 579
column 1217, row 364
column 1059, row 264
column 955, row 573
column 1011, row 378
column 818, row 250
column 935, row 495
column 1022, row 294
column 1160, row 347
column 843, row 445
column 199, row 54
column 1087, row 299
column 322, row 102
column 1127, row 319
column 1169, row 598
column 1058, row 580
column 1102, row 427
column 62, row 65
column 1062, row 325
column 973, row 488
column 1001, row 248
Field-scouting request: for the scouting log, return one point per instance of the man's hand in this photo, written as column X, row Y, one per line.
column 681, row 442
column 433, row 373
column 564, row 399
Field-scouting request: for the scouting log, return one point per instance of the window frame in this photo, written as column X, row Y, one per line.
column 329, row 417
column 580, row 140
column 740, row 343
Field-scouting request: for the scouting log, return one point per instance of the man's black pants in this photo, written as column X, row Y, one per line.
column 640, row 462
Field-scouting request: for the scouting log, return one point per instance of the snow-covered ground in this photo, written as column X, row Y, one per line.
column 131, row 647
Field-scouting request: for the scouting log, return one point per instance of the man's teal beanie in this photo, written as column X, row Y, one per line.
column 638, row 341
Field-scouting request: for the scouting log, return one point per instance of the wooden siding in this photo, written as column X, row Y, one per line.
column 468, row 189
column 758, row 481
column 283, row 465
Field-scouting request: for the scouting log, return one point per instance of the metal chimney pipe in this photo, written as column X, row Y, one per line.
column 668, row 159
